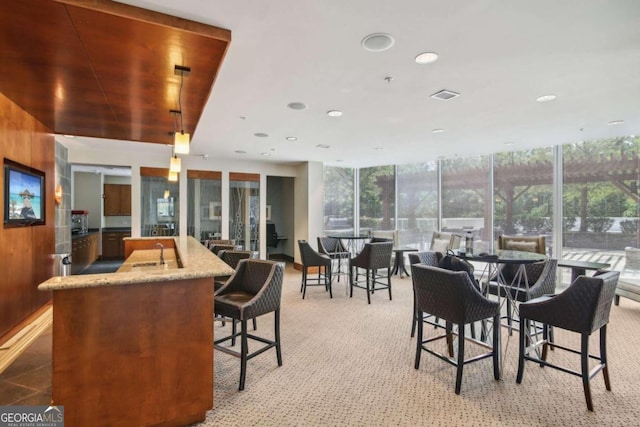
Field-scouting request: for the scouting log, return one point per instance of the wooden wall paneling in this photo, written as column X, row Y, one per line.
column 25, row 251
column 43, row 236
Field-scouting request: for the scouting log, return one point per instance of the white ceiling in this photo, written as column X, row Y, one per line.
column 499, row 55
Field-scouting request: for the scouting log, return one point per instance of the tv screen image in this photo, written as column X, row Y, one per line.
column 24, row 195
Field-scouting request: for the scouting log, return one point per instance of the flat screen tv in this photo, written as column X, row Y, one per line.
column 24, row 195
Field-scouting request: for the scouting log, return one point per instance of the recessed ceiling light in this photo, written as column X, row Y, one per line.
column 334, row 113
column 616, row 122
column 240, row 152
column 297, row 105
column 261, row 135
column 292, row 138
column 427, row 58
column 437, row 130
column 509, row 143
column 546, row 98
column 266, row 154
column 378, row 148
column 445, row 95
column 339, row 161
column 322, row 146
column 377, row 42
column 242, row 118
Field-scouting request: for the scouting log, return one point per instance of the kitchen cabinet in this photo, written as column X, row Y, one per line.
column 84, row 251
column 113, row 244
column 117, row 200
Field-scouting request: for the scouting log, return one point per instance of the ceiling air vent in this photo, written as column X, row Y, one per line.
column 445, row 95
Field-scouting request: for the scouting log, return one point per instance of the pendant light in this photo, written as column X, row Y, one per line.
column 180, row 139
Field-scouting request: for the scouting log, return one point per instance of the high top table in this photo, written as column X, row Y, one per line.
column 579, row 268
column 493, row 260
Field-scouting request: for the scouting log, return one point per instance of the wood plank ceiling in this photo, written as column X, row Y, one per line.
column 103, row 69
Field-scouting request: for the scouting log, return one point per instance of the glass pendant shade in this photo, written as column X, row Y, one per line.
column 173, row 177
column 181, row 143
column 175, row 164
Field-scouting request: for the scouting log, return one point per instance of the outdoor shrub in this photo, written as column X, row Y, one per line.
column 629, row 226
column 599, row 224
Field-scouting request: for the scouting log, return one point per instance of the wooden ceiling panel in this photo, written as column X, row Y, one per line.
column 105, row 69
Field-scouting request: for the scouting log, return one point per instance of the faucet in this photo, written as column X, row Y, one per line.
column 159, row 246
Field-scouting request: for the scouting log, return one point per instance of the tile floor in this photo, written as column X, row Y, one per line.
column 27, row 381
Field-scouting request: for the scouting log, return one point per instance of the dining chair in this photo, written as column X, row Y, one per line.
column 231, row 258
column 254, row 290
column 425, row 258
column 313, row 259
column 523, row 243
column 583, row 308
column 453, row 297
column 374, row 257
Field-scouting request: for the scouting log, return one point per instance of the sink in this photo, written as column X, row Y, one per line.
column 150, row 266
column 144, row 264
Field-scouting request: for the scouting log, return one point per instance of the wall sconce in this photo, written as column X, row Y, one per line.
column 57, row 195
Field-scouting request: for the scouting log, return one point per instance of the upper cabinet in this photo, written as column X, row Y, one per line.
column 117, row 200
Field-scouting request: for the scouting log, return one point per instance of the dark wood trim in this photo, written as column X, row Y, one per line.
column 198, row 174
column 240, row 176
column 147, row 171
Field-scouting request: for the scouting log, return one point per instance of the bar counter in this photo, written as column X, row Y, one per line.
column 136, row 347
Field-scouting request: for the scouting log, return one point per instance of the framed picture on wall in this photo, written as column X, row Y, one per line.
column 215, row 210
column 24, row 195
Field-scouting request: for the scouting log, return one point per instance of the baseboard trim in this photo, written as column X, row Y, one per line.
column 23, row 335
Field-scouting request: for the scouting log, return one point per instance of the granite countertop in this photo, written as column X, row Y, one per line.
column 88, row 233
column 197, row 262
column 116, row 230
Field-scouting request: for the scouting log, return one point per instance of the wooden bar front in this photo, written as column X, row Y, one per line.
column 134, row 355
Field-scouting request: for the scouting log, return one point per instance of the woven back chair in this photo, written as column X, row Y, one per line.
column 582, row 308
column 523, row 243
column 452, row 296
column 322, row 262
column 255, row 289
column 432, row 259
column 374, row 257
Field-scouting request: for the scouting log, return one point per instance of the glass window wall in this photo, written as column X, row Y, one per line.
column 338, row 201
column 204, row 213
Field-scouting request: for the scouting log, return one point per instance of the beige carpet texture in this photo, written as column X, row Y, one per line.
column 346, row 363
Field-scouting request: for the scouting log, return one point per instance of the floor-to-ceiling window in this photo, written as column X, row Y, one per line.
column 204, row 210
column 523, row 190
column 466, row 199
column 244, row 210
column 377, row 199
column 600, row 199
column 417, row 201
column 512, row 193
column 159, row 203
column 338, row 201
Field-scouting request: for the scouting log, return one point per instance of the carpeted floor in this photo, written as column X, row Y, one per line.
column 347, row 363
